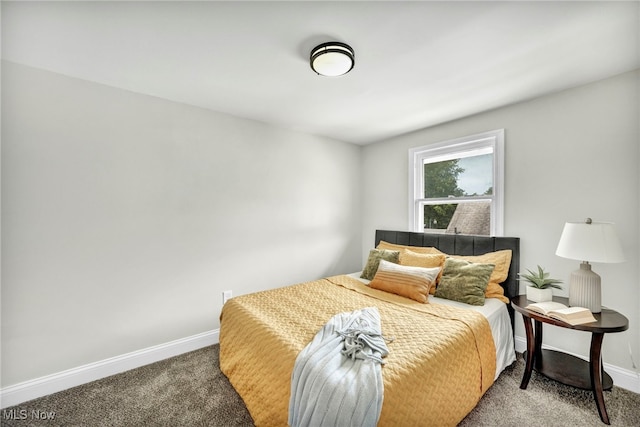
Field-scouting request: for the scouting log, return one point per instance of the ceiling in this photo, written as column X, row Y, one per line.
column 418, row 64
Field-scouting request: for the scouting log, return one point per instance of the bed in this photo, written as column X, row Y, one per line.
column 444, row 355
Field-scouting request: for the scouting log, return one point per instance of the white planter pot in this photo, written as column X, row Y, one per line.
column 539, row 295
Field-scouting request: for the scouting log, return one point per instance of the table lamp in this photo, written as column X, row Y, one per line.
column 588, row 242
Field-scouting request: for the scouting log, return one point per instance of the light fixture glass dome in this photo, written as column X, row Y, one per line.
column 332, row 59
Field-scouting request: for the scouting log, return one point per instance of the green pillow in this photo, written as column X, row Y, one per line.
column 375, row 255
column 464, row 281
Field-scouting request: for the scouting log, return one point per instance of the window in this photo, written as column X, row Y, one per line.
column 457, row 186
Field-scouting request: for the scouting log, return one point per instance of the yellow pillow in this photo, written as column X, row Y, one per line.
column 502, row 261
column 410, row 282
column 418, row 249
column 416, row 259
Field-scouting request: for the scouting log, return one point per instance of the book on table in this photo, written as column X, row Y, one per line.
column 556, row 310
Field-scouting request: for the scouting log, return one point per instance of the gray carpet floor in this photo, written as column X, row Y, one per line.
column 190, row 390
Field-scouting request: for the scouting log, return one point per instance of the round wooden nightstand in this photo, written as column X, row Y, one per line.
column 563, row 367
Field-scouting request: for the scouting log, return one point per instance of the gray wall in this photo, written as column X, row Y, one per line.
column 125, row 217
column 570, row 155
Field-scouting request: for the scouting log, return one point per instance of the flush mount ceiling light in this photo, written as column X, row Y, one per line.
column 332, row 59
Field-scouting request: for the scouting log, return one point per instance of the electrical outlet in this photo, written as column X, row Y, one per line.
column 226, row 295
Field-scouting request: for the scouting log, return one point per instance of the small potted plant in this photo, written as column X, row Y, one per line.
column 540, row 285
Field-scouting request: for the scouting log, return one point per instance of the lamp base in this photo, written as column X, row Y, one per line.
column 584, row 289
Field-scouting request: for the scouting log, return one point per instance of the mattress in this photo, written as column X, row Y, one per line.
column 441, row 362
column 495, row 311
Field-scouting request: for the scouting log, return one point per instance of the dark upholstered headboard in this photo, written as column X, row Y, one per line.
column 460, row 244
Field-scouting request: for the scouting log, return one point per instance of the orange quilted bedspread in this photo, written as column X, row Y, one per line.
column 440, row 362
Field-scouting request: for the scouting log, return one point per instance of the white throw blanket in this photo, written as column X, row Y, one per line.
column 337, row 377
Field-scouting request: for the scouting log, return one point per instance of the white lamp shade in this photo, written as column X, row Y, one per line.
column 592, row 242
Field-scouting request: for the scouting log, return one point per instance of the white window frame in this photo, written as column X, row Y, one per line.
column 458, row 148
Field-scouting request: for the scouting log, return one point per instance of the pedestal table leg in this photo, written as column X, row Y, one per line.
column 528, row 328
column 595, row 366
column 538, row 343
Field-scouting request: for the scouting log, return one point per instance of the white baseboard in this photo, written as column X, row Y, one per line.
column 622, row 378
column 28, row 390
